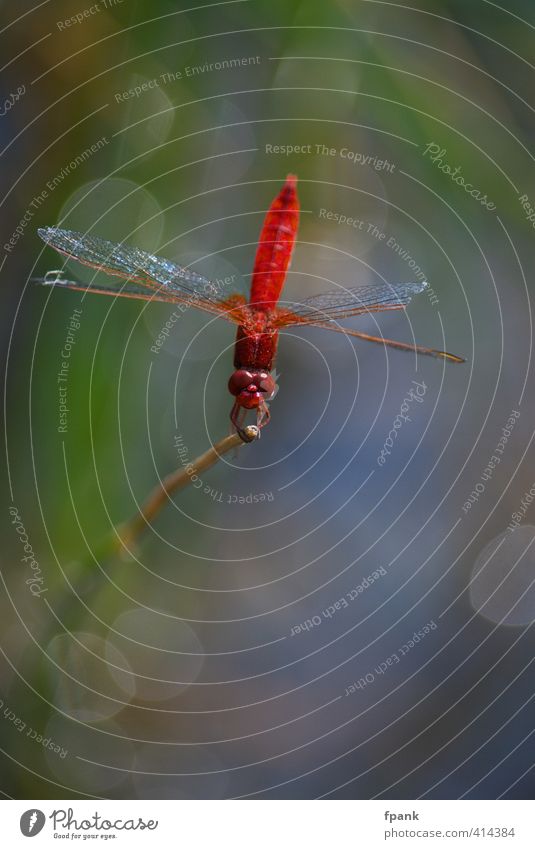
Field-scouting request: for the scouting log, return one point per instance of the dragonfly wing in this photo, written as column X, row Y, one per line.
column 125, row 289
column 167, row 280
column 391, row 343
column 323, row 310
column 344, row 303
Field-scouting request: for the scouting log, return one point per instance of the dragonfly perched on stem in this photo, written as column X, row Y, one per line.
column 259, row 318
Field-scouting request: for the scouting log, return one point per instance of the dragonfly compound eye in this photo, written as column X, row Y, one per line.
column 240, row 380
column 266, row 384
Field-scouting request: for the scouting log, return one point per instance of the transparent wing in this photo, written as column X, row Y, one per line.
column 124, row 289
column 347, row 302
column 322, row 310
column 391, row 343
column 149, row 277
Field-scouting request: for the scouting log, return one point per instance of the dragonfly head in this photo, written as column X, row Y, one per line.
column 251, row 388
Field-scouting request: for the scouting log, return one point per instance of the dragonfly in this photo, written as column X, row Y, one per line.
column 259, row 318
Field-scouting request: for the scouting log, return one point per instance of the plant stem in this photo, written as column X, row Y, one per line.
column 128, row 532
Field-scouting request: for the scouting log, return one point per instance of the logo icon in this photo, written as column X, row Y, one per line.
column 31, row 822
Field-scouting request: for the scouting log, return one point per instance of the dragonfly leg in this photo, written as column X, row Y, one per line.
column 237, row 417
column 263, row 415
column 234, row 416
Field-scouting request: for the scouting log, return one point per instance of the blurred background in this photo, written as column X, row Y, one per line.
column 309, row 621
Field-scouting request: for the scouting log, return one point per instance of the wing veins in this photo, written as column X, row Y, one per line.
column 72, row 245
column 391, row 343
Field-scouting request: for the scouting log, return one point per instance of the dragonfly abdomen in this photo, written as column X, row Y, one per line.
column 275, row 247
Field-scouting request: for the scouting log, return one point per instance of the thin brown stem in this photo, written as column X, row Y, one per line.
column 128, row 532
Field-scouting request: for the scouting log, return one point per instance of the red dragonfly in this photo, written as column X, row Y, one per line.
column 260, row 318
